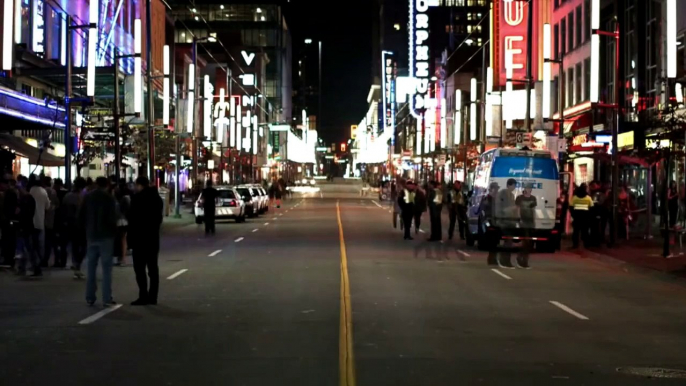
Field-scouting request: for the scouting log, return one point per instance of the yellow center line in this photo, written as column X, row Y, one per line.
column 346, row 359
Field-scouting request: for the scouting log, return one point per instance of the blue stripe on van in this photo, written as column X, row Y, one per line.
column 524, row 167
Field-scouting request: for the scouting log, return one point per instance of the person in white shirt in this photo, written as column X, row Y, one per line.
column 42, row 205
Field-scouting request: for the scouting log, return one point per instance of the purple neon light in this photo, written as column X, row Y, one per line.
column 32, row 118
column 20, row 96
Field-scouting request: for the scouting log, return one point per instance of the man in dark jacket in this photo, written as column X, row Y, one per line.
column 98, row 214
column 406, row 201
column 419, row 207
column 10, row 207
column 457, row 210
column 144, row 238
column 435, row 201
column 209, row 204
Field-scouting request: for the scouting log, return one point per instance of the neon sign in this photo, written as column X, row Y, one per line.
column 512, row 30
column 38, row 27
column 388, row 92
column 419, row 55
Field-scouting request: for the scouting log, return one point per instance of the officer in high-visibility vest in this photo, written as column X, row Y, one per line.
column 581, row 204
column 435, row 200
column 406, row 201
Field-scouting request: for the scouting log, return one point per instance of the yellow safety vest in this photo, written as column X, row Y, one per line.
column 438, row 199
column 582, row 203
column 409, row 197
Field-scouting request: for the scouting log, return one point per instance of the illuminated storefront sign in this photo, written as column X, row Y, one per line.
column 388, row 91
column 625, row 140
column 221, row 121
column 419, row 55
column 38, row 27
column 512, row 30
column 579, row 139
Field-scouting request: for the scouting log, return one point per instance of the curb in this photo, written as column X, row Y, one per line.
column 630, row 268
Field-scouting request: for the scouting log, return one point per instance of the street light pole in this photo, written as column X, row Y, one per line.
column 151, row 103
column 529, row 64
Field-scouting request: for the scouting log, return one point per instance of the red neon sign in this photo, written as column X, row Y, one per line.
column 511, row 29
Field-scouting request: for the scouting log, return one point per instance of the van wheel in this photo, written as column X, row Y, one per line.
column 198, row 220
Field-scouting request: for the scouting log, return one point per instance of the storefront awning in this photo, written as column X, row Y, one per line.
column 35, row 156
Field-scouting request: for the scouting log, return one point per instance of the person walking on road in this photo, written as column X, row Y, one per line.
column 406, row 200
column 25, row 245
column 487, row 212
column 581, row 204
column 123, row 196
column 209, row 204
column 50, row 213
column 42, row 201
column 526, row 203
column 419, row 208
column 396, row 188
column 144, row 236
column 75, row 231
column 457, row 210
column 99, row 215
column 435, row 200
column 507, row 217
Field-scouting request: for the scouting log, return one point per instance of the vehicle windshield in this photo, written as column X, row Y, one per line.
column 245, row 192
column 226, row 194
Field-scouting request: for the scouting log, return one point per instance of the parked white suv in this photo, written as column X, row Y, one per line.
column 229, row 205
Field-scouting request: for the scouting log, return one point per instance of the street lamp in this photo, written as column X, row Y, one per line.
column 547, row 74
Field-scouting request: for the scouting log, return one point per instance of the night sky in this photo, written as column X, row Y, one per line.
column 345, row 29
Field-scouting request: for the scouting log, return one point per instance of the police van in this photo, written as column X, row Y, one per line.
column 514, row 197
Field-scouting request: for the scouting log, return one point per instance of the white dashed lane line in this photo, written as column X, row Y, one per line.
column 255, row 230
column 377, row 204
column 100, row 314
column 177, row 274
column 463, row 253
column 504, row 276
column 265, row 224
column 568, row 310
column 215, row 253
column 238, row 240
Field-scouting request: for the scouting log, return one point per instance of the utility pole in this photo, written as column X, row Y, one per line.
column 151, row 104
column 529, row 63
column 67, row 107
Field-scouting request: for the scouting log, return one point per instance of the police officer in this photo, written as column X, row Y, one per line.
column 581, row 204
column 457, row 209
column 406, row 201
column 435, row 199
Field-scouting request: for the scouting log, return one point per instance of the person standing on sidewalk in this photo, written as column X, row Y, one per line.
column 25, row 246
column 50, row 239
column 10, row 208
column 145, row 220
column 420, row 206
column 673, row 204
column 406, row 200
column 99, row 216
column 40, row 196
column 581, row 205
column 74, row 231
column 457, row 210
column 435, row 200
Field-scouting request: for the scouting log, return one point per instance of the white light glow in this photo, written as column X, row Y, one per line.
column 547, row 71
column 208, row 94
column 595, row 67
column 248, row 79
column 472, row 122
column 137, row 68
column 166, row 89
column 679, row 93
column 7, row 43
column 254, row 135
column 489, row 79
column 671, row 39
column 508, row 89
column 444, row 124
column 418, row 136
column 63, row 40
column 92, row 44
column 595, row 14
column 457, row 133
column 472, row 95
column 191, row 99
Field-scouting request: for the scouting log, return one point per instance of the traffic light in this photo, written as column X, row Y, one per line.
column 343, row 147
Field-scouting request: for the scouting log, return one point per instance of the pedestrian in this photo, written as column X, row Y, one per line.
column 457, row 210
column 145, row 219
column 435, row 201
column 407, row 201
column 275, row 192
column 10, row 208
column 487, row 214
column 25, row 241
column 123, row 197
column 396, row 188
column 581, row 204
column 507, row 217
column 419, row 208
column 209, row 204
column 60, row 227
column 98, row 215
column 673, row 204
column 42, row 201
column 562, row 209
column 75, row 232
column 50, row 213
column 526, row 204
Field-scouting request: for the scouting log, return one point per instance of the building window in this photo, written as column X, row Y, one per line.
column 563, row 37
column 557, row 4
column 25, row 22
column 587, row 19
column 55, row 35
column 570, row 33
column 579, row 26
column 570, row 88
column 556, row 40
column 579, row 84
column 555, row 98
column 587, row 79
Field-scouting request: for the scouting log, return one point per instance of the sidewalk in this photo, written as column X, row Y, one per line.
column 638, row 256
column 170, row 223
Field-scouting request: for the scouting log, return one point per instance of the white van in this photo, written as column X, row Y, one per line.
column 524, row 187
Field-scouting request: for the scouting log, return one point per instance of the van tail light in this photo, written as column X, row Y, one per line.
column 554, row 231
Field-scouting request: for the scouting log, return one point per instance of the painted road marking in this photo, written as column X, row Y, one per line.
column 280, row 214
column 377, row 204
column 174, row 276
column 100, row 314
column 254, row 230
column 265, row 224
column 568, row 310
column 215, row 253
column 463, row 253
column 275, row 218
column 346, row 359
column 238, row 240
column 421, row 231
column 501, row 274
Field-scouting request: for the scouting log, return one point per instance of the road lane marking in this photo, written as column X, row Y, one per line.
column 100, row 314
column 275, row 218
column 254, row 230
column 501, row 274
column 377, row 204
column 346, row 359
column 421, row 231
column 238, row 240
column 174, row 276
column 215, row 253
column 280, row 214
column 568, row 310
column 463, row 253
column 265, row 224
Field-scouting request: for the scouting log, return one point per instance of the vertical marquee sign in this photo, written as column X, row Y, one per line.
column 389, row 74
column 419, row 55
column 511, row 28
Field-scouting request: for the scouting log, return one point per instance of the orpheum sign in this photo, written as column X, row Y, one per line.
column 511, row 30
column 419, row 54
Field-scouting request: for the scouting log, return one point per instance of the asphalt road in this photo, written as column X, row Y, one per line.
column 266, row 302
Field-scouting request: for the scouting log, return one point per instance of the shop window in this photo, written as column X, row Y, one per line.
column 570, row 32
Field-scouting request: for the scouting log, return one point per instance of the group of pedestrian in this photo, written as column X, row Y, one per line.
column 96, row 220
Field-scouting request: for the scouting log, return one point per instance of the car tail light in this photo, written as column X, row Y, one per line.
column 232, row 203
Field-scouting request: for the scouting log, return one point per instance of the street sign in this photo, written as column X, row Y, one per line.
column 98, row 134
column 519, row 138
